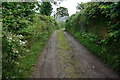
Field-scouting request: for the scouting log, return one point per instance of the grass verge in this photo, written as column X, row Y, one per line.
column 27, row 62
column 66, row 57
column 112, row 60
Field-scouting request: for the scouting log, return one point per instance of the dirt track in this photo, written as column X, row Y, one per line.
column 63, row 57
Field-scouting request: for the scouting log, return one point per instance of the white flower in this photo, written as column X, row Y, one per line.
column 7, row 37
column 10, row 38
column 15, row 51
column 22, row 42
column 20, row 36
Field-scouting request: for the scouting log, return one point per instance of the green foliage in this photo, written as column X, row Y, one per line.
column 99, row 23
column 24, row 35
column 61, row 12
column 14, row 46
column 80, row 6
column 16, row 15
column 46, row 8
column 60, row 25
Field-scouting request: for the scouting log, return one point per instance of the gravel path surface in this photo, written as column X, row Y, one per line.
column 63, row 57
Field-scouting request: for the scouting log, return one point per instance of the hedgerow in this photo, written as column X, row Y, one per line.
column 24, row 34
column 97, row 27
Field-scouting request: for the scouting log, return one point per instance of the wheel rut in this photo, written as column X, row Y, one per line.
column 63, row 57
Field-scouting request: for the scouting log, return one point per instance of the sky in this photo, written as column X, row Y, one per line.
column 70, row 4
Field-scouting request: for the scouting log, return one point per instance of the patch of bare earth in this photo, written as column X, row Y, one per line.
column 63, row 57
column 92, row 65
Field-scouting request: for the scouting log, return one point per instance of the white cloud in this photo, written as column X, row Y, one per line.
column 70, row 4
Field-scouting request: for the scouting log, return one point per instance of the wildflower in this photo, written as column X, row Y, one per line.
column 20, row 36
column 15, row 51
column 10, row 38
column 22, row 42
column 7, row 37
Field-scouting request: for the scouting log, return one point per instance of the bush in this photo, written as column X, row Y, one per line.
column 97, row 27
column 24, row 35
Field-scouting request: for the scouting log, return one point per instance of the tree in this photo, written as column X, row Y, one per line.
column 61, row 12
column 46, row 8
column 80, row 6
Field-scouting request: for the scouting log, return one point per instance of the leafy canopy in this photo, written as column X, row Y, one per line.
column 46, row 8
column 62, row 11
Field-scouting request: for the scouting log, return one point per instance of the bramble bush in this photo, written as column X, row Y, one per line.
column 24, row 34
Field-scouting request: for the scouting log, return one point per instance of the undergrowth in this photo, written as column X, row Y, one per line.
column 96, row 26
column 93, row 44
column 23, row 37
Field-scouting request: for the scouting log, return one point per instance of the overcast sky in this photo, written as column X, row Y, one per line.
column 70, row 4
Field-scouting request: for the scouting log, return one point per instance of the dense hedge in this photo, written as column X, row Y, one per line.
column 22, row 29
column 98, row 23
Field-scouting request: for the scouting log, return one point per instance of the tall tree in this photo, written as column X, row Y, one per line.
column 61, row 12
column 81, row 6
column 46, row 8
